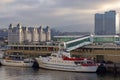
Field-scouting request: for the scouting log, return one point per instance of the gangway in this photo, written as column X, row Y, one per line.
column 79, row 42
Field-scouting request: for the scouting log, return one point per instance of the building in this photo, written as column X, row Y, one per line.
column 99, row 29
column 107, row 23
column 28, row 35
column 103, row 47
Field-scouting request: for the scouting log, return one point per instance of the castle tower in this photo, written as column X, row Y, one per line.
column 48, row 33
column 10, row 37
column 26, row 34
column 10, row 27
column 40, row 30
column 35, row 35
column 42, row 36
column 19, row 34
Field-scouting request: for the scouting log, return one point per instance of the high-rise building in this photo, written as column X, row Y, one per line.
column 23, row 35
column 107, row 23
column 99, row 29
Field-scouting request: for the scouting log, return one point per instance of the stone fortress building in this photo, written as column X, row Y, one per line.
column 28, row 35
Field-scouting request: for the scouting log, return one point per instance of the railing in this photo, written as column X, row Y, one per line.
column 76, row 43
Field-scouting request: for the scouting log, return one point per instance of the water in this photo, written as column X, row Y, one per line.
column 18, row 73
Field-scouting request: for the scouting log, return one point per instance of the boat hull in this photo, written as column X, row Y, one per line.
column 64, row 67
column 15, row 63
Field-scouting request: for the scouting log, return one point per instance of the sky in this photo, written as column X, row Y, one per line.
column 65, row 15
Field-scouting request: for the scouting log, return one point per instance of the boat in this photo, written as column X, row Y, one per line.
column 63, row 61
column 17, row 60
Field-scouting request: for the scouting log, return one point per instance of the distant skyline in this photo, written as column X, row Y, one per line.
column 74, row 15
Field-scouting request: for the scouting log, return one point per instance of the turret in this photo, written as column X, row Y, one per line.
column 35, row 35
column 40, row 33
column 10, row 37
column 48, row 33
column 40, row 28
column 10, row 26
column 26, row 29
column 26, row 34
column 48, row 28
column 19, row 26
column 20, row 33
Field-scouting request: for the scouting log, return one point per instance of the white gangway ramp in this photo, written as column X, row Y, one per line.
column 79, row 42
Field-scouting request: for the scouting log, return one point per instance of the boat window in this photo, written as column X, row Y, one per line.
column 78, row 62
column 82, row 62
column 89, row 62
column 26, row 61
column 54, row 55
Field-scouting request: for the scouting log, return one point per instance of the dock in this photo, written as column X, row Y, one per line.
column 112, row 68
column 115, row 67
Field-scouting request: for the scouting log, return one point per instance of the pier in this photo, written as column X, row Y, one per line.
column 115, row 68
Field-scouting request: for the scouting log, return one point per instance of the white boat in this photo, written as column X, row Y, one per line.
column 17, row 60
column 63, row 61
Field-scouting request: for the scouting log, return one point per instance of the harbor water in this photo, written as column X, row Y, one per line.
column 18, row 73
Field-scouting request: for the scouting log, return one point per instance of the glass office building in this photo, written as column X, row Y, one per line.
column 107, row 23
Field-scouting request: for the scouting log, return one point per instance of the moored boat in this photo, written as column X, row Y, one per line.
column 17, row 60
column 63, row 61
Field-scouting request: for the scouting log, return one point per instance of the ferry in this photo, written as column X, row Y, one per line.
column 63, row 61
column 17, row 60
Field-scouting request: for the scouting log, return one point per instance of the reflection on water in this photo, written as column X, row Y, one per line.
column 18, row 73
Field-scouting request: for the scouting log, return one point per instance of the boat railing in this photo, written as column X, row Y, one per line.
column 28, row 61
column 13, row 57
column 85, row 63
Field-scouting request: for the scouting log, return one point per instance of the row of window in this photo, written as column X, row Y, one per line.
column 61, row 61
column 78, row 42
column 104, row 39
column 13, row 61
column 33, row 48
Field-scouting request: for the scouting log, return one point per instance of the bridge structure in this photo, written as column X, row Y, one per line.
column 70, row 43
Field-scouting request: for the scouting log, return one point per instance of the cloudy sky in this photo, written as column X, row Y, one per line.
column 77, row 15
